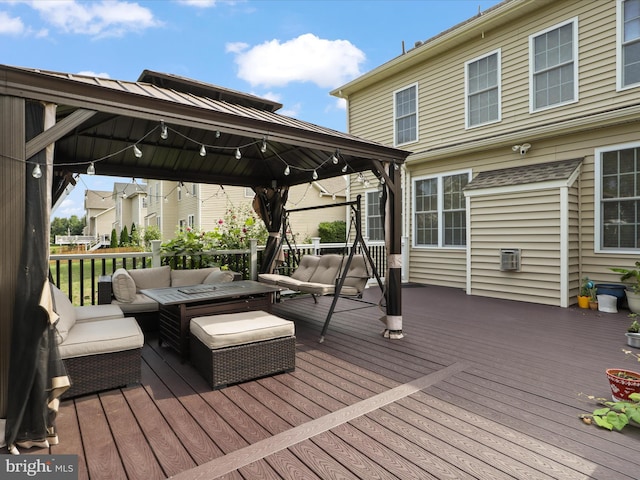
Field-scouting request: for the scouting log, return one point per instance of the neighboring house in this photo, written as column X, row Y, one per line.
column 100, row 213
column 173, row 206
column 130, row 205
column 523, row 125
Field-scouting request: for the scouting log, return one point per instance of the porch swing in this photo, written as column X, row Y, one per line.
column 329, row 274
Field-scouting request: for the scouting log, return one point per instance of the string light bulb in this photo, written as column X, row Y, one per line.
column 91, row 169
column 203, row 151
column 334, row 159
column 287, row 170
column 238, row 154
column 263, row 147
column 137, row 152
column 315, row 175
column 344, row 169
column 36, row 172
column 164, row 133
column 217, row 133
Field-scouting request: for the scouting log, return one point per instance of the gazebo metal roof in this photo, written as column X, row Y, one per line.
column 100, row 120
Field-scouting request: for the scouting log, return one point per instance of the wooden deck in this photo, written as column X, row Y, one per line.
column 478, row 388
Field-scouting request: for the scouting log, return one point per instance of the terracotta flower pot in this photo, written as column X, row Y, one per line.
column 623, row 386
column 593, row 305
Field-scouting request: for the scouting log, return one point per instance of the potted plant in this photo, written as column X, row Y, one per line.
column 633, row 332
column 593, row 298
column 584, row 295
column 625, row 407
column 633, row 289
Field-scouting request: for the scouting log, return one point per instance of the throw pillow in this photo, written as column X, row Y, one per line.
column 219, row 276
column 124, row 288
column 66, row 311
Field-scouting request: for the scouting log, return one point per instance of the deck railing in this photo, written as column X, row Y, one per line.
column 78, row 274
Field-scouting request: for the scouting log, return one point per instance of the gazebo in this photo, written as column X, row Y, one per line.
column 54, row 125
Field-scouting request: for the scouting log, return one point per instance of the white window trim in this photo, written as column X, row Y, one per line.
column 191, row 220
column 395, row 132
column 532, row 108
column 466, row 89
column 440, row 245
column 619, row 41
column 366, row 213
column 597, row 199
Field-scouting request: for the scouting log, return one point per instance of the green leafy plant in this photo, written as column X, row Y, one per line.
column 615, row 414
column 593, row 294
column 585, row 286
column 630, row 273
column 635, row 326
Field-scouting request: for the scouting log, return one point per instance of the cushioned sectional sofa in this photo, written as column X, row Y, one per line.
column 124, row 286
column 99, row 346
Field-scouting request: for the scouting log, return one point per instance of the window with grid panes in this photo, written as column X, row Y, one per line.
column 406, row 115
column 554, row 68
column 375, row 229
column 483, row 90
column 440, row 211
column 629, row 36
column 620, row 198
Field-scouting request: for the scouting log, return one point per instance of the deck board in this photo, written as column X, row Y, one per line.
column 510, row 411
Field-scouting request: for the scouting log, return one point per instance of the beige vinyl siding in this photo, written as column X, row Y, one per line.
column 444, row 267
column 528, row 220
column 441, row 81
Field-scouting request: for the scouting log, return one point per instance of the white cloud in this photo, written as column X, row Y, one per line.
column 273, row 96
column 291, row 111
column 307, row 58
column 102, row 19
column 10, row 25
column 89, row 73
column 236, row 47
column 199, row 3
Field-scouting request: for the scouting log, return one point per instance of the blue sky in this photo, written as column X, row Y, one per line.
column 291, row 51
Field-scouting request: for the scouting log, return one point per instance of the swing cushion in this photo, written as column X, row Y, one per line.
column 303, row 273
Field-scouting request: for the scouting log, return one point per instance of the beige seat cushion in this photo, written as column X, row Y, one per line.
column 182, row 278
column 66, row 313
column 90, row 313
column 220, row 331
column 104, row 336
column 155, row 277
column 327, row 270
column 317, row 288
column 269, row 278
column 140, row 304
column 306, row 268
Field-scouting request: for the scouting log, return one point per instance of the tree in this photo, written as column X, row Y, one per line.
column 124, row 237
column 152, row 232
column 114, row 239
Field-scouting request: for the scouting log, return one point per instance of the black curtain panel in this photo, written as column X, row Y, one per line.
column 35, row 368
column 269, row 204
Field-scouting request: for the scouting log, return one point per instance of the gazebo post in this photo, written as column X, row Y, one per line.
column 393, row 238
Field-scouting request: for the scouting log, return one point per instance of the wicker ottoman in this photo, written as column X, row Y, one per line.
column 237, row 347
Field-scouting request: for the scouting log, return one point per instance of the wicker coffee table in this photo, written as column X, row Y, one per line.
column 178, row 305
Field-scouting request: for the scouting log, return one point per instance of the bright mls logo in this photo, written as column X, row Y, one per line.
column 49, row 467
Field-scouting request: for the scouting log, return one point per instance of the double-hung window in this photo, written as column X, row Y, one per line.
column 618, row 198
column 375, row 229
column 628, row 43
column 483, row 90
column 405, row 106
column 554, row 66
column 439, row 207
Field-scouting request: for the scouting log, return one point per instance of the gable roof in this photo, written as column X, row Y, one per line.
column 539, row 173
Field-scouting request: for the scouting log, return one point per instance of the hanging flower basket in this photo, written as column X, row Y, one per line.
column 623, row 383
